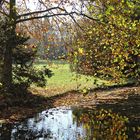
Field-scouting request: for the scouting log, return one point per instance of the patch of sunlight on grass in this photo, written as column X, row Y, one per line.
column 64, row 80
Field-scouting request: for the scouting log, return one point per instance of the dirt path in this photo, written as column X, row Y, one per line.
column 105, row 97
column 19, row 108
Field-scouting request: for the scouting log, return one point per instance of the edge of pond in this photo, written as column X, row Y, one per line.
column 122, row 95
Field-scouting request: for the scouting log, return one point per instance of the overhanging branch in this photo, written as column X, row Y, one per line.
column 44, row 16
column 37, row 12
column 59, row 14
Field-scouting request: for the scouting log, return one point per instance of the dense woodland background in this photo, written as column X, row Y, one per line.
column 97, row 38
column 82, row 55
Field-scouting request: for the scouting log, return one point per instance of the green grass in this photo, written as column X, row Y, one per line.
column 64, row 80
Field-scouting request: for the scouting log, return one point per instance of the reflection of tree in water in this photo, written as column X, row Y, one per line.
column 5, row 131
column 51, row 124
column 73, row 124
column 104, row 124
column 29, row 129
column 23, row 131
column 29, row 134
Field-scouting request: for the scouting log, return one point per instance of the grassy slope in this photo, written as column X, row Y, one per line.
column 13, row 108
column 64, row 80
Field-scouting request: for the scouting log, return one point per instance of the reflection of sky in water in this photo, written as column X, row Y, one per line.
column 53, row 124
column 73, row 124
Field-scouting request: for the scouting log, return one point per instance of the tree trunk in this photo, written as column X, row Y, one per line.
column 7, row 64
column 7, row 67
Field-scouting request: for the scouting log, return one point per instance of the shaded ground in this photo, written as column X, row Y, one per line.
column 18, row 107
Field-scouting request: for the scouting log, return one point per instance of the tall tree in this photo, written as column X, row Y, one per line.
column 110, row 48
column 7, row 64
column 45, row 9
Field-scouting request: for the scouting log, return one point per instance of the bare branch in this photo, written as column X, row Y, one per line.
column 3, row 13
column 44, row 16
column 58, row 14
column 72, row 17
column 37, row 12
column 2, row 2
column 76, row 22
column 91, row 18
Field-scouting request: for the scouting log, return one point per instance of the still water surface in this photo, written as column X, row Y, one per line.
column 66, row 123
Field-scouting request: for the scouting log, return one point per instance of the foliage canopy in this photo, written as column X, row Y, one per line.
column 110, row 47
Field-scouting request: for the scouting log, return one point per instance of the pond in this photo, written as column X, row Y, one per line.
column 72, row 123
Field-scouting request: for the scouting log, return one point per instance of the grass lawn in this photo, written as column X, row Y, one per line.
column 64, row 80
column 13, row 108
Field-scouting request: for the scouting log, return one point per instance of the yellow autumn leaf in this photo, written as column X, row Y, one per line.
column 80, row 50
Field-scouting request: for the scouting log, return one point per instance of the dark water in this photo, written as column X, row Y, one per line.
column 74, row 124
